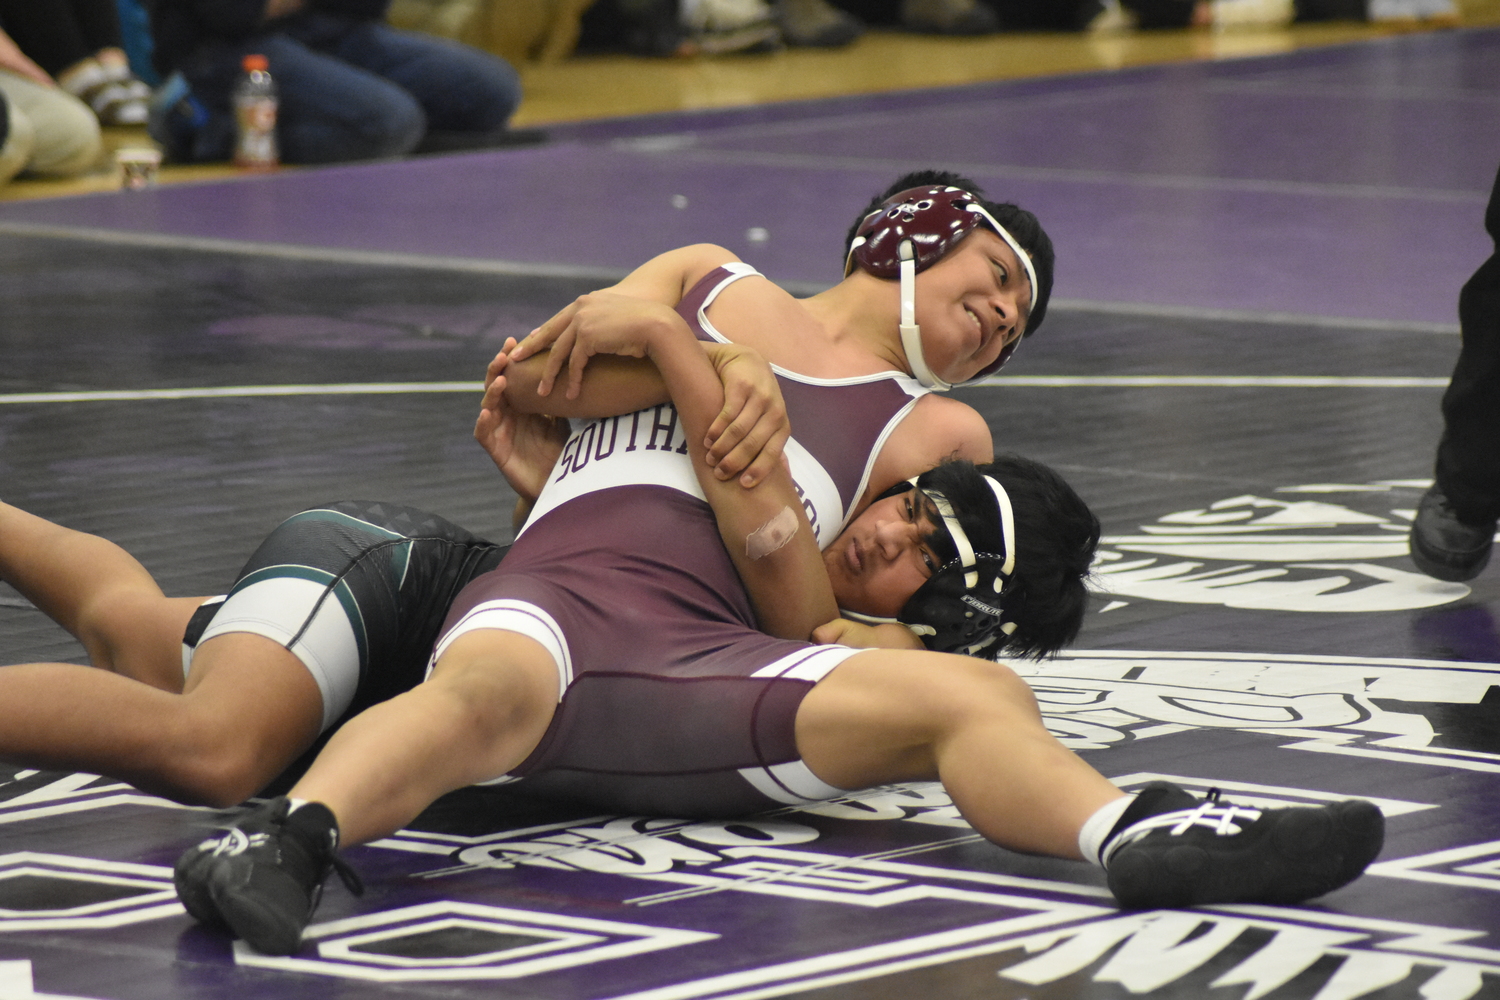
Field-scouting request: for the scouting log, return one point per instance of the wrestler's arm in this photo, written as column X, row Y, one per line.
column 765, row 530
column 745, row 439
column 523, row 446
column 526, row 446
column 555, row 350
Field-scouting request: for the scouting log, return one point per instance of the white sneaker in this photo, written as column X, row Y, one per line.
column 705, row 16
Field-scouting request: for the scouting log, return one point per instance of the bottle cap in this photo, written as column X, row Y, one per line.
column 251, row 63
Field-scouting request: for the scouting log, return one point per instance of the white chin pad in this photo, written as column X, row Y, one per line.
column 772, row 535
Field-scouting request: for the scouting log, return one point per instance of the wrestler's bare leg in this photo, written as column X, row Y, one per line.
column 99, row 593
column 484, row 709
column 250, row 709
column 887, row 716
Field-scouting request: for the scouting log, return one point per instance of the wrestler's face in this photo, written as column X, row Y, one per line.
column 971, row 304
column 885, row 555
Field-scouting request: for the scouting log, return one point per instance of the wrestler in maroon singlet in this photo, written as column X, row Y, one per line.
column 671, row 700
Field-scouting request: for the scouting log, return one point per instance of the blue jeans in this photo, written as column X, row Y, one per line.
column 356, row 90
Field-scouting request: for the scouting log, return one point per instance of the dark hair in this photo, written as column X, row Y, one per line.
column 1056, row 535
column 1017, row 221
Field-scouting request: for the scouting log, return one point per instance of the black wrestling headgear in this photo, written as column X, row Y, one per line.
column 961, row 607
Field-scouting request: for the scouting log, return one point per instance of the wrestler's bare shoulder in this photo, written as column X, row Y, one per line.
column 696, row 261
column 938, row 428
column 759, row 313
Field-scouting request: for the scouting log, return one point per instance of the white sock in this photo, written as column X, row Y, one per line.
column 1097, row 827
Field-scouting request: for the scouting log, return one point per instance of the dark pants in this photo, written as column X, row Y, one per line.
column 1468, row 458
column 355, row 90
column 58, row 33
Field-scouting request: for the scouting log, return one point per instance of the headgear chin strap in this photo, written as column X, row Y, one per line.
column 911, row 231
column 961, row 607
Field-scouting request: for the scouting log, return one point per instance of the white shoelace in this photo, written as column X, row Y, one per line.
column 1225, row 820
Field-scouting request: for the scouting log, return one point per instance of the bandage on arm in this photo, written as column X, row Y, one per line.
column 786, row 581
column 773, row 535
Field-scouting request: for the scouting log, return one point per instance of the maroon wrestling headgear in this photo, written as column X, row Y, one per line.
column 911, row 231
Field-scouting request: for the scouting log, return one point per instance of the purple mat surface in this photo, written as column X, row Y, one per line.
column 1259, row 627
column 1345, row 182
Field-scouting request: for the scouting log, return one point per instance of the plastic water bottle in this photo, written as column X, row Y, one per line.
column 255, row 117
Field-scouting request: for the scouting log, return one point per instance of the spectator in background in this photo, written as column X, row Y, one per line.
column 12, row 157
column 77, row 44
column 350, row 86
column 930, row 17
column 43, row 129
column 135, row 30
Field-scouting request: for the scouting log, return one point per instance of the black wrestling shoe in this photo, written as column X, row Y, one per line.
column 263, row 878
column 1444, row 547
column 1218, row 852
column 190, row 877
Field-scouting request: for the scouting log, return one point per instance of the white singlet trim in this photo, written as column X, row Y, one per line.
column 864, row 477
column 738, row 270
column 912, row 387
column 810, row 664
column 794, row 783
column 508, row 615
column 280, row 608
column 817, row 487
column 663, row 467
column 187, row 651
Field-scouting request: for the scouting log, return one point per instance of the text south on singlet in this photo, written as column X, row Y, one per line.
column 655, row 429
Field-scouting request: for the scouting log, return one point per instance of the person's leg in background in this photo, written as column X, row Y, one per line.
column 78, row 42
column 1455, row 526
column 135, row 33
column 16, row 139
column 328, row 110
column 468, row 95
column 64, row 134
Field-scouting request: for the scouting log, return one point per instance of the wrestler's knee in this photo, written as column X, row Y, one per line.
column 927, row 691
column 980, row 686
column 220, row 776
column 499, row 690
column 136, row 632
column 884, row 716
column 251, row 708
column 208, row 762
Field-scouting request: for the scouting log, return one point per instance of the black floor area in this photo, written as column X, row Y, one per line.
column 1254, row 596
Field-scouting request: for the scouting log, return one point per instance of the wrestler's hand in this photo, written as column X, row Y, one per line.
column 602, row 322
column 843, row 632
column 747, row 437
column 524, row 446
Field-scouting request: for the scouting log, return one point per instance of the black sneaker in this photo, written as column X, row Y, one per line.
column 1218, row 852
column 1444, row 547
column 191, row 879
column 263, row 878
